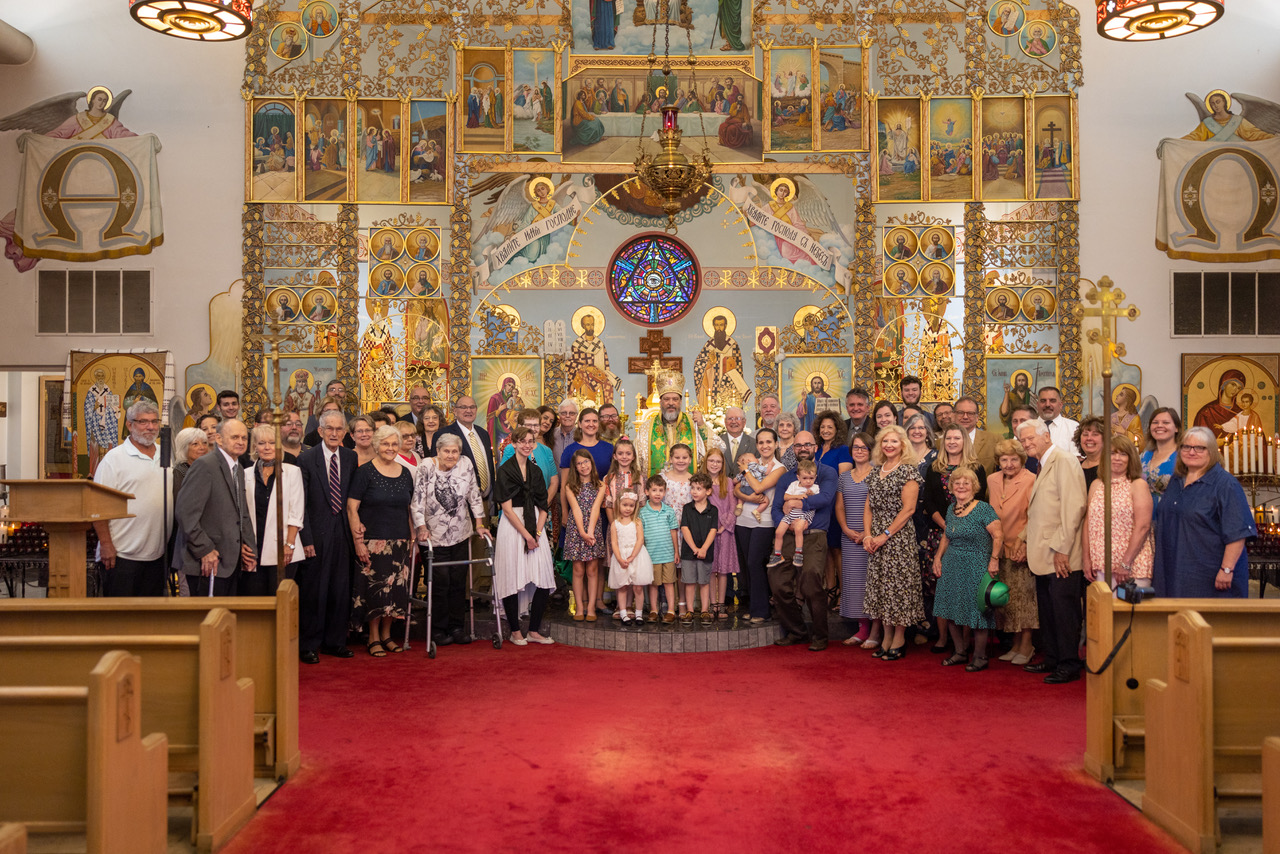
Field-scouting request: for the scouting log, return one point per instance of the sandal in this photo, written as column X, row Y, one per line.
column 979, row 664
column 376, row 649
column 392, row 646
column 958, row 658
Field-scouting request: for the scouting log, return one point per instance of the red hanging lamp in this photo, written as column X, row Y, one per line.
column 199, row 20
column 1149, row 20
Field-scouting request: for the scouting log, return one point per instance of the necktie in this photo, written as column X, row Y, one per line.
column 335, row 486
column 482, row 465
column 733, row 448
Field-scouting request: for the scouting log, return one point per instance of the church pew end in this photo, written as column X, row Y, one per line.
column 76, row 762
column 1205, row 727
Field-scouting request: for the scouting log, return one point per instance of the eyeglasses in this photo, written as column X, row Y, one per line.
column 965, row 411
column 465, row 408
column 863, row 448
column 805, row 444
column 1199, row 449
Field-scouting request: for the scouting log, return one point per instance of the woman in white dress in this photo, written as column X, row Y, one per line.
column 522, row 555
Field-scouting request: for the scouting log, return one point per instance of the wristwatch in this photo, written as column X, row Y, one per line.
column 1228, row 569
column 886, row 533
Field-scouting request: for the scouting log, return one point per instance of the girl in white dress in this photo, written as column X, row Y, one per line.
column 629, row 563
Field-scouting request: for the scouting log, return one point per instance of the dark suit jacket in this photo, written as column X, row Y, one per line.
column 322, row 526
column 214, row 514
column 467, row 452
column 861, row 426
column 746, row 445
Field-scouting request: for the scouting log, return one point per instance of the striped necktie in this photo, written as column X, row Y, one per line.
column 482, row 465
column 335, row 485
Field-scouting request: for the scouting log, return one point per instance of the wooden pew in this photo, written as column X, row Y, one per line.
column 75, row 761
column 13, row 839
column 1115, row 715
column 266, row 649
column 193, row 697
column 1206, row 725
column 1271, row 795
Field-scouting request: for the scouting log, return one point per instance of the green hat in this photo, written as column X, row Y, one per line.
column 992, row 593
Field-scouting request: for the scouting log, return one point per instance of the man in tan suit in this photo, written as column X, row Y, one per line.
column 984, row 442
column 1055, row 521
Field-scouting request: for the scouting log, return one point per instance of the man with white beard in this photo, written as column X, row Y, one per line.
column 657, row 434
column 132, row 549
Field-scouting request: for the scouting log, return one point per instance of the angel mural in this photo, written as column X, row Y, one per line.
column 59, row 118
column 527, row 223
column 1206, row 214
column 822, row 246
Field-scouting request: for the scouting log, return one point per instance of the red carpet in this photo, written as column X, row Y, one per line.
column 560, row 749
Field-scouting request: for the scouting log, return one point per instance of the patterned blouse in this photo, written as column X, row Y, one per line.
column 441, row 499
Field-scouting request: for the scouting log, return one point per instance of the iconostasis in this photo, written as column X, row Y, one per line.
column 446, row 196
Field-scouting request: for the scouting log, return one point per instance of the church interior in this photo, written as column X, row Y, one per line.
column 531, row 202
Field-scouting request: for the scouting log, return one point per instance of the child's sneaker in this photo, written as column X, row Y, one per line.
column 798, row 560
column 774, row 560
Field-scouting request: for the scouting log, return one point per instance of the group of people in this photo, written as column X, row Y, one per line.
column 899, row 519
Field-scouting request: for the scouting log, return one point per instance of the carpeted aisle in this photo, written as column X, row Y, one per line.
column 560, row 749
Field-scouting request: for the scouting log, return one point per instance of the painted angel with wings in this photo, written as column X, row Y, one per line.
column 58, row 117
column 522, row 201
column 1219, row 124
column 797, row 200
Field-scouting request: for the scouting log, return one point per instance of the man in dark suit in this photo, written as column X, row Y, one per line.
column 475, row 446
column 735, row 440
column 324, row 579
column 216, row 522
column 419, row 397
column 857, row 402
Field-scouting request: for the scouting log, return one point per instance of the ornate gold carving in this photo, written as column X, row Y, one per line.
column 917, row 218
column 1070, row 355
column 252, row 382
column 348, row 287
column 503, row 334
column 555, row 385
column 766, row 376
column 406, row 220
column 975, row 298
column 460, row 283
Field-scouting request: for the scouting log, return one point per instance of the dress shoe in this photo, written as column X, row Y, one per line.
column 442, row 640
column 894, row 654
column 1061, row 677
column 337, row 651
column 308, row 656
column 788, row 640
column 1038, row 667
column 818, row 645
column 459, row 637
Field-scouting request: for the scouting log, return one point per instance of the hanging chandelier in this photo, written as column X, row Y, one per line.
column 670, row 174
column 199, row 20
column 1148, row 20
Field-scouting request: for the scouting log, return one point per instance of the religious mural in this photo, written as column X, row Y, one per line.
column 100, row 389
column 609, row 102
column 1216, row 173
column 502, row 386
column 809, row 385
column 546, row 242
column 70, row 154
column 1230, row 394
column 273, row 134
column 1013, row 381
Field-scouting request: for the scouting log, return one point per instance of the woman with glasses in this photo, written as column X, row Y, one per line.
column 1202, row 522
column 787, row 426
column 361, row 429
column 429, row 424
column 850, row 507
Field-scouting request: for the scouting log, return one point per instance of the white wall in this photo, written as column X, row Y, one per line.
column 1132, row 98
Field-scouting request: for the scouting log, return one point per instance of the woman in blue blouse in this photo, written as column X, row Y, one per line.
column 1164, row 432
column 1201, row 525
column 833, row 450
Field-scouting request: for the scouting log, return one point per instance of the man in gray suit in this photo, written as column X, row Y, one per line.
column 212, row 511
column 735, row 440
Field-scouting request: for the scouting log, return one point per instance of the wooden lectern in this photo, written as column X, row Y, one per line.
column 66, row 509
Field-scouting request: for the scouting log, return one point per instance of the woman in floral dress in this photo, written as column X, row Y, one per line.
column 378, row 510
column 893, row 571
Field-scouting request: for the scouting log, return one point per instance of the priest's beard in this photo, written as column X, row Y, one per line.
column 610, row 434
column 670, row 415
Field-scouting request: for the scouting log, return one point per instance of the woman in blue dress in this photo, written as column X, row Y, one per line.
column 830, row 431
column 968, row 554
column 1202, row 523
column 850, row 509
column 1164, row 432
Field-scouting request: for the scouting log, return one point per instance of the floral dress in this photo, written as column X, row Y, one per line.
column 893, row 571
column 1121, row 531
column 575, row 547
column 381, row 589
column 678, row 494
